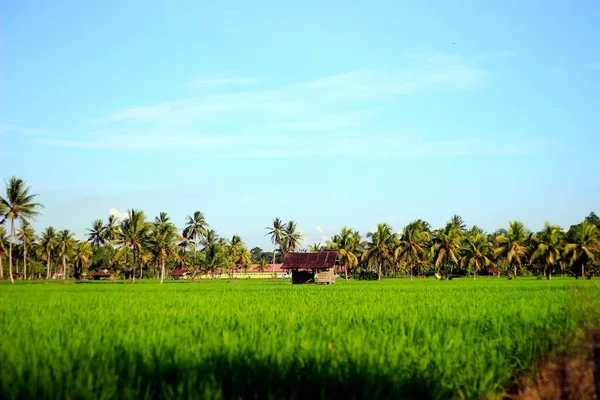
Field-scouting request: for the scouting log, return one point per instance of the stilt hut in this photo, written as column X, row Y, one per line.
column 306, row 267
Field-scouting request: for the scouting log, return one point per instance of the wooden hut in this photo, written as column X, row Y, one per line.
column 103, row 274
column 306, row 266
column 181, row 273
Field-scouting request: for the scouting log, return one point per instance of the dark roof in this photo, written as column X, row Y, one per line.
column 179, row 272
column 320, row 259
column 103, row 272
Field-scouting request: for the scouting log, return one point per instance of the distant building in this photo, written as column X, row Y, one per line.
column 103, row 275
column 180, row 273
column 306, row 267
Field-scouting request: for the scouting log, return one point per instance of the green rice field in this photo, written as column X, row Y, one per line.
column 270, row 339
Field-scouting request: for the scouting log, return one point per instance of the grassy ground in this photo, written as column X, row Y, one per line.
column 270, row 339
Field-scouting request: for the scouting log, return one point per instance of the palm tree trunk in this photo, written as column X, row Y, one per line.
column 272, row 264
column 12, row 237
column 346, row 272
column 64, row 267
column 411, row 272
column 133, row 269
column 141, row 271
column 378, row 272
column 162, row 269
column 24, row 258
column 549, row 272
column 1, row 269
column 48, row 265
column 582, row 270
column 515, row 277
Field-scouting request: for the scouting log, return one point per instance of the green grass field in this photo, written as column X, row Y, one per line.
column 255, row 339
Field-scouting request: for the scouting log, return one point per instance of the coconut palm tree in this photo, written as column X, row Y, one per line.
column 512, row 247
column 215, row 258
column 476, row 252
column 48, row 243
column 380, row 248
column 414, row 241
column 133, row 234
column 81, row 258
column 292, row 240
column 112, row 230
column 97, row 234
column 27, row 236
column 66, row 244
column 446, row 246
column 19, row 203
column 548, row 247
column 211, row 237
column 275, row 231
column 458, row 222
column 583, row 245
column 162, row 243
column 3, row 248
column 195, row 228
column 347, row 247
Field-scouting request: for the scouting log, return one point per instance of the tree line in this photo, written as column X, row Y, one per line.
column 138, row 247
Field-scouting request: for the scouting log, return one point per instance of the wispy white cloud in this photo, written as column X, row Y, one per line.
column 19, row 130
column 214, row 81
column 119, row 214
column 334, row 115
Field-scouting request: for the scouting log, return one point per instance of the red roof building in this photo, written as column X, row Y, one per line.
column 305, row 266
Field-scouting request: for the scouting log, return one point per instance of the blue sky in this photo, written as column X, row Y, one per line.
column 328, row 113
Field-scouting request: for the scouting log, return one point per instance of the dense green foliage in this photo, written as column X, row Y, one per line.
column 249, row 339
column 138, row 247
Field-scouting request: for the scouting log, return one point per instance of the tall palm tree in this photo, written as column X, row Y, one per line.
column 346, row 245
column 414, row 241
column 215, row 257
column 27, row 236
column 97, row 234
column 380, row 248
column 275, row 231
column 66, row 244
column 19, row 203
column 458, row 222
column 512, row 247
column 446, row 246
column 111, row 229
column 584, row 245
column 81, row 258
column 292, row 240
column 548, row 247
column 3, row 246
column 163, row 244
column 477, row 250
column 195, row 228
column 133, row 235
column 48, row 243
column 211, row 237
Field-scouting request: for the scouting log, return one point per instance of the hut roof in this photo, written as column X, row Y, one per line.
column 103, row 272
column 320, row 259
column 179, row 272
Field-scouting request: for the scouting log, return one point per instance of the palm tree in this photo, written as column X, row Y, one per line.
column 133, row 235
column 211, row 237
column 276, row 233
column 346, row 245
column 26, row 235
column 414, row 240
column 548, row 247
column 446, row 246
column 583, row 245
column 292, row 240
column 512, row 247
column 477, row 250
column 215, row 258
column 162, row 243
column 97, row 234
column 195, row 228
column 111, row 229
column 66, row 243
column 81, row 258
column 458, row 222
column 48, row 243
column 17, row 204
column 380, row 248
column 3, row 246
